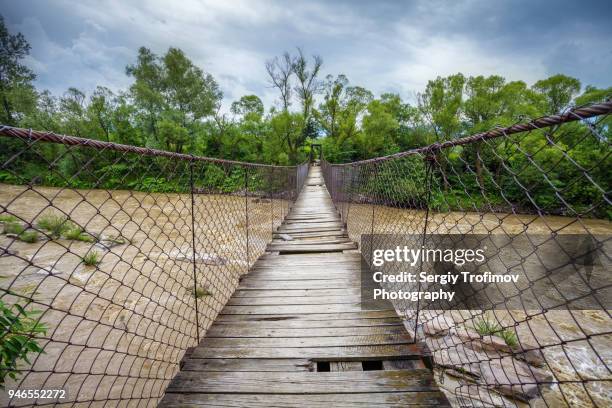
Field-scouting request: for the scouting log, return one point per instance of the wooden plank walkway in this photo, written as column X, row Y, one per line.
column 294, row 334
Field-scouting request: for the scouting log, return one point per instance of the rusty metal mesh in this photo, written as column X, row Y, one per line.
column 135, row 253
column 526, row 186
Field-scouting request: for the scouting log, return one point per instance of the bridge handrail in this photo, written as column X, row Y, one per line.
column 533, row 189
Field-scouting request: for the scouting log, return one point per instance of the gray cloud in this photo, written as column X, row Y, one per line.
column 384, row 46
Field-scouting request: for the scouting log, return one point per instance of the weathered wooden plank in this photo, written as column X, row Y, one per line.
column 345, row 366
column 240, row 331
column 307, row 272
column 314, row 213
column 294, row 300
column 403, row 364
column 309, row 242
column 289, row 309
column 312, row 220
column 312, row 224
column 272, row 293
column 307, row 324
column 313, row 259
column 245, row 364
column 293, row 229
column 351, row 279
column 367, row 314
column 298, row 382
column 296, row 274
column 286, row 268
column 300, row 284
column 285, row 342
column 362, row 400
column 312, row 248
column 382, row 352
column 312, row 234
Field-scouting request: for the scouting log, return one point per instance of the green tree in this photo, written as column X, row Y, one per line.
column 339, row 115
column 308, row 85
column 100, row 112
column 171, row 89
column 72, row 108
column 287, row 127
column 379, row 126
column 440, row 106
column 559, row 90
column 17, row 94
column 250, row 107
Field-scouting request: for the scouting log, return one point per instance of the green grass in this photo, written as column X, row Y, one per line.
column 91, row 258
column 29, row 236
column 13, row 228
column 8, row 218
column 489, row 327
column 55, row 225
column 486, row 326
column 201, row 292
column 509, row 337
column 77, row 233
column 59, row 226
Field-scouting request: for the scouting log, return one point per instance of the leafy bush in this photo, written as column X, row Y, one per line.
column 17, row 327
column 8, row 178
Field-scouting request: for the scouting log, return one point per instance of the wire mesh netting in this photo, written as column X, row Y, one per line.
column 520, row 190
column 118, row 258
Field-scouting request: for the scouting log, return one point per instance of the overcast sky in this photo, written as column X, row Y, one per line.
column 385, row 46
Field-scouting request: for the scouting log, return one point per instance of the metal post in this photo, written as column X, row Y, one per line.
column 246, row 212
column 429, row 162
column 270, row 179
column 193, row 249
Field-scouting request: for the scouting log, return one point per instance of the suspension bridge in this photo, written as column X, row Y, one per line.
column 169, row 279
column 293, row 333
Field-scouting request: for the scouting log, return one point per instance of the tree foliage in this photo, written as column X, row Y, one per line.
column 173, row 104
